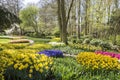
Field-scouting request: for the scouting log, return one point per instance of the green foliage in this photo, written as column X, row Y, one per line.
column 115, row 21
column 68, row 50
column 73, row 37
column 79, row 41
column 115, row 16
column 85, row 47
column 7, row 18
column 86, row 41
column 95, row 42
column 57, row 34
column 66, row 69
column 105, row 45
column 29, row 17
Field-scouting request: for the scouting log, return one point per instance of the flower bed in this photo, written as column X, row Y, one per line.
column 92, row 61
column 112, row 54
column 52, row 53
column 39, row 46
column 55, row 40
column 24, row 66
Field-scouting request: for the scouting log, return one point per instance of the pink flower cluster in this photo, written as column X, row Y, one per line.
column 112, row 54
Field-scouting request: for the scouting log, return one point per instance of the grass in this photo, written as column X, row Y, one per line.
column 67, row 68
column 4, row 40
column 39, row 40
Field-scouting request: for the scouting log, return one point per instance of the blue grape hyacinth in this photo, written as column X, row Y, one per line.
column 52, row 53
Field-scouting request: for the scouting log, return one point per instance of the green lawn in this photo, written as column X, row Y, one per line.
column 39, row 40
column 4, row 40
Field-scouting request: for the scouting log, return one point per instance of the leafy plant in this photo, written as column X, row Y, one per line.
column 66, row 69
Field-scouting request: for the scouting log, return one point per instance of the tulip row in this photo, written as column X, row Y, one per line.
column 112, row 54
column 93, row 61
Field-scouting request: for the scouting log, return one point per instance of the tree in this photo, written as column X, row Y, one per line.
column 30, row 18
column 13, row 6
column 63, row 19
column 7, row 18
column 78, row 11
column 115, row 23
column 48, row 16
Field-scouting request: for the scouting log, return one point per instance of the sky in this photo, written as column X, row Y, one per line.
column 30, row 1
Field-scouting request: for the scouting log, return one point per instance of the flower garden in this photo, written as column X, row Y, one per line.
column 50, row 61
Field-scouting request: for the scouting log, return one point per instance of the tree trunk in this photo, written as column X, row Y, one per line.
column 79, row 24
column 64, row 24
column 63, row 20
column 86, row 18
column 59, row 18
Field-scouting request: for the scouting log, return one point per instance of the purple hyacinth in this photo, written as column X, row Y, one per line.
column 112, row 54
column 52, row 53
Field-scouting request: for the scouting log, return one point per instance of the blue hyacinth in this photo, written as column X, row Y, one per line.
column 52, row 53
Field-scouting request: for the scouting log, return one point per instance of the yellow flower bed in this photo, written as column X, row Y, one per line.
column 30, row 63
column 39, row 46
column 93, row 61
column 13, row 46
column 55, row 40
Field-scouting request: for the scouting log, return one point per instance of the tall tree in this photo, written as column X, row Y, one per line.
column 13, row 6
column 78, row 12
column 7, row 18
column 29, row 17
column 87, row 17
column 63, row 19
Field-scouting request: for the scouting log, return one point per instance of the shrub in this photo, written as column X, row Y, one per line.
column 1, row 47
column 49, row 37
column 105, row 45
column 73, row 37
column 95, row 42
column 52, row 53
column 73, row 41
column 92, row 61
column 86, row 41
column 79, row 41
column 85, row 47
column 57, row 34
column 24, row 66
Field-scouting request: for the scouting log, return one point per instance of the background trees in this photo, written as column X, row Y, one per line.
column 70, row 18
column 7, row 18
column 30, row 18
